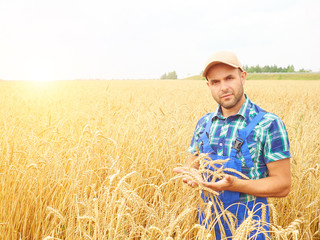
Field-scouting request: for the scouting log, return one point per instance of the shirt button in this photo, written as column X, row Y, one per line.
column 220, row 144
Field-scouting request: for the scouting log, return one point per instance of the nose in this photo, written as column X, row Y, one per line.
column 224, row 86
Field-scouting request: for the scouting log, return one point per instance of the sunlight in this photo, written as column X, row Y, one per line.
column 40, row 75
column 40, row 71
column 39, row 87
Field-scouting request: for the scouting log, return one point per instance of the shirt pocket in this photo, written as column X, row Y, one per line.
column 254, row 153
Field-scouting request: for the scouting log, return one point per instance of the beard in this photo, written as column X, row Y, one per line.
column 230, row 101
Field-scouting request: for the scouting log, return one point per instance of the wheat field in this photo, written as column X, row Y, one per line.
column 94, row 159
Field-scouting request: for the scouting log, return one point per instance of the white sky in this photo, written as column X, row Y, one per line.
column 125, row 39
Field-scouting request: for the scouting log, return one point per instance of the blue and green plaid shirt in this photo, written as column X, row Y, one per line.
column 268, row 141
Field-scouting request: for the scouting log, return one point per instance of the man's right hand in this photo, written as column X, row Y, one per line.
column 192, row 177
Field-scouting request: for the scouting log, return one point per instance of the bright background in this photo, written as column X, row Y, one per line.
column 99, row 39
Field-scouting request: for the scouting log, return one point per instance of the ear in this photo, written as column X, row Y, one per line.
column 207, row 83
column 243, row 77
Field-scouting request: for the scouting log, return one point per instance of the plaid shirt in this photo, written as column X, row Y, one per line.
column 268, row 141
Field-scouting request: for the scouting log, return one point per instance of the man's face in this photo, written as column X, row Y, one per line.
column 226, row 85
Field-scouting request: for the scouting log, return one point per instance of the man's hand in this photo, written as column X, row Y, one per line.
column 225, row 183
column 277, row 184
column 191, row 176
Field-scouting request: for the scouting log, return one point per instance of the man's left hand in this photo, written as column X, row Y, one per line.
column 225, row 183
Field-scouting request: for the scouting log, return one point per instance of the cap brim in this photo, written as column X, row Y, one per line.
column 210, row 65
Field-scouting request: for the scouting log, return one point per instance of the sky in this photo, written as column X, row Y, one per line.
column 143, row 39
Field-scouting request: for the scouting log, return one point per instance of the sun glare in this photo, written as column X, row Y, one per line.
column 40, row 86
column 42, row 76
column 40, row 71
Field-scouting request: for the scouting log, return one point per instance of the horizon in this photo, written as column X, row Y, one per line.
column 196, row 76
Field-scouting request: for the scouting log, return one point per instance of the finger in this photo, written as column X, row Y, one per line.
column 190, row 183
column 206, row 184
column 194, row 184
column 228, row 178
column 179, row 170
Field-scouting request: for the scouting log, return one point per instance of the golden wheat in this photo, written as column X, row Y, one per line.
column 94, row 159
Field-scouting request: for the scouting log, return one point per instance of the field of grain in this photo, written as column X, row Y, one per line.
column 94, row 159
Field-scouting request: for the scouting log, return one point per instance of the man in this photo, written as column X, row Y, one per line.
column 248, row 140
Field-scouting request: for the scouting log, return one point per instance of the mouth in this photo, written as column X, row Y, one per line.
column 226, row 95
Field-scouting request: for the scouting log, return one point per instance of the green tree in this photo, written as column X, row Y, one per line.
column 164, row 76
column 272, row 68
column 170, row 75
column 304, row 70
column 290, row 68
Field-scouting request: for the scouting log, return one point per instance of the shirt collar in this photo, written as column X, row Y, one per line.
column 242, row 112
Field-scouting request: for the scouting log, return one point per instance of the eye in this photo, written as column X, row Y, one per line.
column 214, row 82
column 230, row 77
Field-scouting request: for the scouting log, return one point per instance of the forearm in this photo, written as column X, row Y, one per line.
column 277, row 184
column 273, row 186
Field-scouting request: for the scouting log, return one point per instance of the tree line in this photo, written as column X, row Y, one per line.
column 272, row 69
column 169, row 75
column 250, row 69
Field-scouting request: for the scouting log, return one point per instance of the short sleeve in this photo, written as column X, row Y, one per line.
column 194, row 145
column 277, row 145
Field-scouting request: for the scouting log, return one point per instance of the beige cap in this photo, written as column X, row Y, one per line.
column 225, row 57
